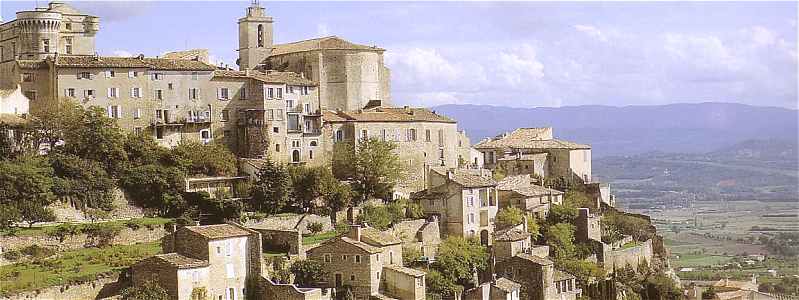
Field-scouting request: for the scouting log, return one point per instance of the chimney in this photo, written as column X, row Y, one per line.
column 355, row 232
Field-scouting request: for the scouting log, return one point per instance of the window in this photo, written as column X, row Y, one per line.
column 46, row 45
column 133, row 74
column 310, row 154
column 277, row 147
column 27, row 77
column 2, row 52
column 411, row 135
column 357, row 258
column 193, row 95
column 110, row 73
column 364, row 134
column 383, row 135
column 391, row 257
column 295, row 143
column 205, row 135
column 270, row 93
column 344, row 257
column 327, row 258
column 419, row 282
column 195, row 276
column 84, row 75
column 260, row 35
column 352, row 277
column 68, row 26
column 137, row 113
column 137, row 130
column 225, row 115
column 159, row 133
column 69, row 92
column 471, row 218
column 68, row 44
column 290, row 89
column 441, row 138
column 135, row 92
column 307, row 108
column 223, row 94
column 159, row 94
column 195, row 75
column 115, row 111
column 89, row 93
column 231, row 293
column 169, row 86
column 113, row 92
column 470, row 201
column 295, row 156
column 228, row 248
column 279, row 114
column 280, row 93
column 313, row 144
column 289, row 105
column 305, row 90
column 427, row 135
column 339, row 135
column 13, row 50
column 243, row 93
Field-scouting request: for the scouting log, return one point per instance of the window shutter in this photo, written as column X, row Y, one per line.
column 109, row 92
column 119, row 111
column 109, row 111
column 107, row 74
column 218, row 93
column 78, row 74
column 131, row 92
column 130, row 74
column 66, row 92
column 91, row 75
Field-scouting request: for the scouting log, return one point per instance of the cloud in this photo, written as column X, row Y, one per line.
column 121, row 53
column 519, row 66
column 423, row 66
column 591, row 31
column 114, row 11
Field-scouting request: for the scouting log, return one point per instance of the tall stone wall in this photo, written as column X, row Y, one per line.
column 125, row 237
column 632, row 256
column 102, row 288
column 288, row 241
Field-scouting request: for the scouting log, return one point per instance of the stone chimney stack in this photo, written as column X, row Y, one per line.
column 355, row 232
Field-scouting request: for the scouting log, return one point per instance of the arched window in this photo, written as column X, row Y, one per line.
column 260, row 35
column 313, row 144
column 295, row 156
column 339, row 135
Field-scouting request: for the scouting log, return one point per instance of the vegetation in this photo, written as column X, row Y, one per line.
column 383, row 216
column 315, row 227
column 149, row 290
column 207, row 159
column 307, row 273
column 457, row 260
column 71, row 267
column 318, row 238
column 560, row 238
column 26, row 188
column 373, row 168
column 411, row 255
column 271, row 188
column 508, row 217
column 617, row 223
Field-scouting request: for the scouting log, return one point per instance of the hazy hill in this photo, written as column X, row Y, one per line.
column 752, row 169
column 688, row 128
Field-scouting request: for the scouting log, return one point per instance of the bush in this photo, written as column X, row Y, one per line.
column 411, row 255
column 307, row 272
column 150, row 290
column 37, row 252
column 509, row 217
column 315, row 227
column 62, row 231
column 101, row 235
column 12, row 255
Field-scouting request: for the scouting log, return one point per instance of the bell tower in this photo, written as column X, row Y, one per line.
column 255, row 37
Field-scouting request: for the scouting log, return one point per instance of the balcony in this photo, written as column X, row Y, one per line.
column 197, row 119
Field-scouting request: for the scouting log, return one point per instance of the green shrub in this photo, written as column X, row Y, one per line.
column 12, row 255
column 315, row 227
column 37, row 251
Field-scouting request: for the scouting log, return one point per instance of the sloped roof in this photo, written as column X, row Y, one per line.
column 529, row 138
column 469, row 180
column 132, row 62
column 31, row 64
column 534, row 259
column 218, row 231
column 378, row 238
column 289, row 78
column 506, row 285
column 6, row 92
column 387, row 114
column 192, row 54
column 510, row 182
column 535, row 190
column 511, row 235
column 322, row 43
column 560, row 275
column 363, row 246
column 735, row 284
column 526, row 157
column 406, row 271
column 11, row 119
column 180, row 261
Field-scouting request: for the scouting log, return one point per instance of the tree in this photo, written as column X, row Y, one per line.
column 533, row 227
column 215, row 210
column 372, row 167
column 562, row 214
column 509, row 217
column 83, row 182
column 96, row 137
column 271, row 188
column 336, row 195
column 149, row 290
column 560, row 238
column 437, row 283
column 155, row 186
column 637, row 227
column 410, row 255
column 51, row 121
column 306, row 184
column 377, row 216
column 583, row 270
column 577, row 198
column 458, row 259
column 307, row 273
column 213, row 159
column 26, row 190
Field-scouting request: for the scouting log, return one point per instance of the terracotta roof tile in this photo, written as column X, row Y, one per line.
column 132, row 62
column 218, row 231
column 471, row 180
column 192, row 54
column 180, row 261
column 526, row 157
column 289, row 78
column 511, row 235
column 534, row 259
column 387, row 114
column 506, row 285
column 406, row 271
column 322, row 43
column 378, row 238
column 32, row 64
column 363, row 246
column 529, row 138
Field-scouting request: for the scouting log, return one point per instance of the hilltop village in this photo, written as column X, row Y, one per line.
column 291, row 177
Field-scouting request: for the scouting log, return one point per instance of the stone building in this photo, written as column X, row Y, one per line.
column 369, row 263
column 464, row 201
column 499, row 289
column 424, row 139
column 538, row 278
column 524, row 148
column 13, row 115
column 519, row 191
column 44, row 32
column 588, row 226
column 349, row 75
column 420, row 234
column 217, row 261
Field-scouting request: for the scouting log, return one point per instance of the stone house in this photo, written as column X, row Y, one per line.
column 519, row 191
column 499, row 289
column 13, row 114
column 369, row 263
column 464, row 201
column 423, row 138
column 214, row 186
column 421, row 234
column 218, row 261
column 538, row 278
column 349, row 75
column 520, row 147
column 511, row 242
column 588, row 226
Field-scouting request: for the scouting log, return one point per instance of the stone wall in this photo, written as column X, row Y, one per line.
column 102, row 288
column 122, row 210
column 288, row 241
column 632, row 256
column 125, row 237
column 291, row 222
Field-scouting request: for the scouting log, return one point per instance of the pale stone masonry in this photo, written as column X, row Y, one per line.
column 464, row 201
column 521, row 192
column 521, row 152
column 498, row 289
column 538, row 278
column 368, row 262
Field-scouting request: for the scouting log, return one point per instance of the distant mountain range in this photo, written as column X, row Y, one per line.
column 629, row 130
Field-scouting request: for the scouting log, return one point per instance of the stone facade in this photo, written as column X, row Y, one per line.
column 464, row 201
column 421, row 234
column 286, row 241
column 498, row 289
column 588, row 226
column 538, row 278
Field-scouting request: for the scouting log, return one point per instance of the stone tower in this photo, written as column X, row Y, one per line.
column 255, row 37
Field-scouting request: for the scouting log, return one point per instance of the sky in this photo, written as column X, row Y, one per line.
column 518, row 54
